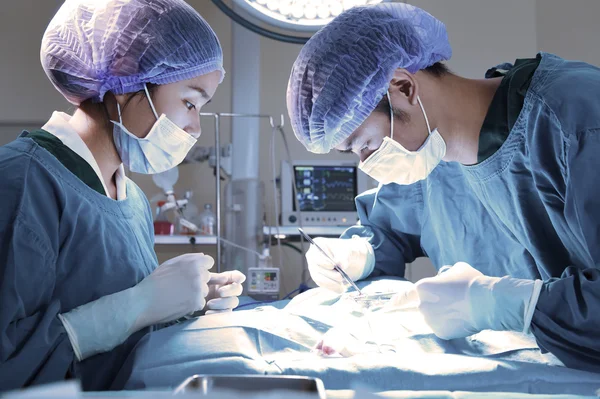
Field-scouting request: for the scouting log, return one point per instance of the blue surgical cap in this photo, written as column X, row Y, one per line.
column 344, row 70
column 94, row 46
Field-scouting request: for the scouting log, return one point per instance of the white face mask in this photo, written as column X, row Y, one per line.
column 392, row 163
column 162, row 149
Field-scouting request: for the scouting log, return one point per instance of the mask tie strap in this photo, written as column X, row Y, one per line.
column 150, row 101
column 424, row 114
column 387, row 93
column 119, row 111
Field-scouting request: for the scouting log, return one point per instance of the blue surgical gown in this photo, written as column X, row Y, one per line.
column 62, row 244
column 531, row 210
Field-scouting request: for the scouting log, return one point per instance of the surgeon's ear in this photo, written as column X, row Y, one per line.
column 405, row 83
column 124, row 100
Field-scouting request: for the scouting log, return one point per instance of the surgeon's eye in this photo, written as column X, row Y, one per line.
column 365, row 147
column 189, row 105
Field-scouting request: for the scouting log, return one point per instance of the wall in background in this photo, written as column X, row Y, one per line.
column 569, row 29
column 485, row 33
column 27, row 94
column 482, row 34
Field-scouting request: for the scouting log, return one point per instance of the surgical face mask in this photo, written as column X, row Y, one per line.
column 392, row 163
column 162, row 149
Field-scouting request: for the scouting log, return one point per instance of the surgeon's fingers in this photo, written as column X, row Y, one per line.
column 202, row 289
column 237, row 277
column 206, row 261
column 208, row 312
column 444, row 327
column 199, row 275
column 199, row 303
column 315, row 257
column 404, row 300
column 332, row 275
column 218, row 278
column 223, row 303
column 329, row 279
column 460, row 270
column 429, row 288
column 234, row 276
column 233, row 289
column 332, row 285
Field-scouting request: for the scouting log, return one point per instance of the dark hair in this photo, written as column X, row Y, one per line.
column 384, row 106
column 438, row 70
column 89, row 104
column 151, row 88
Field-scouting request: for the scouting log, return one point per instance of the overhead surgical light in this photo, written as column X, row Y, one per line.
column 302, row 16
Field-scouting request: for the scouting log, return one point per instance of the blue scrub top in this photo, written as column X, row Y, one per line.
column 531, row 210
column 62, row 244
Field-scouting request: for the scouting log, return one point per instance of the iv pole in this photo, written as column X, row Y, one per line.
column 217, row 117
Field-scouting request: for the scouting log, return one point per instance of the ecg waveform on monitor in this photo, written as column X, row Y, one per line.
column 339, row 197
column 326, row 188
column 338, row 184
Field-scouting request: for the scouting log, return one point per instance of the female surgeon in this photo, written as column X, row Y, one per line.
column 79, row 279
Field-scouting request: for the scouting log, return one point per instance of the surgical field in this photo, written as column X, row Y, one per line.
column 350, row 344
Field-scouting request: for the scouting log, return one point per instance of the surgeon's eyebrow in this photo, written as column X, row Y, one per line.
column 200, row 90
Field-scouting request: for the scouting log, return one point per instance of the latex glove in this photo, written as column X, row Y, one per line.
column 355, row 256
column 223, row 291
column 176, row 288
column 461, row 301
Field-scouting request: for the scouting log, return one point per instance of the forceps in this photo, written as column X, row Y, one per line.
column 335, row 265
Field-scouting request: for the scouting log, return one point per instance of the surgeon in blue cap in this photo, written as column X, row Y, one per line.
column 496, row 178
column 80, row 283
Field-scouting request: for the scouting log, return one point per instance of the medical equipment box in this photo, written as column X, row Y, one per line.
column 249, row 384
column 324, row 192
column 263, row 280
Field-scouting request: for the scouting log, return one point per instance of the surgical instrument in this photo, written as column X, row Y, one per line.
column 335, row 265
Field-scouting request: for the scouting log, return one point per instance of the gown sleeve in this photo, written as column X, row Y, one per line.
column 386, row 232
column 567, row 317
column 34, row 346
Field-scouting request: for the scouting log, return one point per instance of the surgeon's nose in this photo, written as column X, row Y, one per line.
column 366, row 153
column 195, row 133
column 194, row 128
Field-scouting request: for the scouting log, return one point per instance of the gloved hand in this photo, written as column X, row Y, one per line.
column 461, row 301
column 355, row 256
column 223, row 291
column 176, row 288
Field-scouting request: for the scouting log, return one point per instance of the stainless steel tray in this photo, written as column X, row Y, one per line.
column 204, row 384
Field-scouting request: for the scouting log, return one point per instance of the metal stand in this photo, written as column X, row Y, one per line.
column 217, row 117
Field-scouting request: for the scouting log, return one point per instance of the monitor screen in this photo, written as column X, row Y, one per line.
column 325, row 188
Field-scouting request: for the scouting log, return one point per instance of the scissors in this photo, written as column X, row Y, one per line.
column 335, row 265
